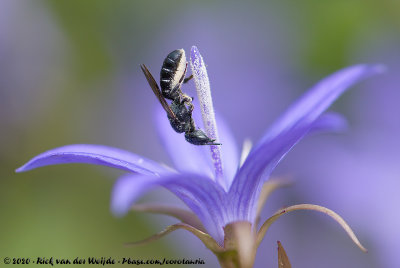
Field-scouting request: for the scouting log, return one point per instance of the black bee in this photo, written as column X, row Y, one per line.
column 179, row 113
column 172, row 75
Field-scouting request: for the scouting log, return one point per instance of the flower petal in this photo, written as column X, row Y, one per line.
column 229, row 151
column 185, row 156
column 320, row 97
column 285, row 133
column 202, row 83
column 97, row 155
column 202, row 195
column 191, row 158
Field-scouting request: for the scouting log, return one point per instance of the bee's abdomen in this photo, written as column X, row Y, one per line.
column 171, row 71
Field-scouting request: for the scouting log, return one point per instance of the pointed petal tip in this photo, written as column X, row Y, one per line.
column 96, row 155
column 25, row 167
column 373, row 69
column 20, row 169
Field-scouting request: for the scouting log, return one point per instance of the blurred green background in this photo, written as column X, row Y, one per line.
column 69, row 74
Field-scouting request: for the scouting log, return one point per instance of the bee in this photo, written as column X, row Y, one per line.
column 172, row 76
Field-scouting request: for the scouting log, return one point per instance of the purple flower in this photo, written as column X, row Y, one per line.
column 359, row 173
column 224, row 194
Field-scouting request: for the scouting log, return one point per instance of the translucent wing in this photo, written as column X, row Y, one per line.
column 157, row 91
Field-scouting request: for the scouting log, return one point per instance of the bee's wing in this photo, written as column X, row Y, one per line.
column 157, row 91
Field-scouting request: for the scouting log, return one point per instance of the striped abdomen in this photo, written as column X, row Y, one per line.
column 171, row 74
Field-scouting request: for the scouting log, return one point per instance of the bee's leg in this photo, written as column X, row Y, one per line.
column 188, row 101
column 183, row 79
column 191, row 107
column 187, row 79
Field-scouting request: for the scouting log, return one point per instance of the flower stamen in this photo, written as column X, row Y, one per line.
column 203, row 89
